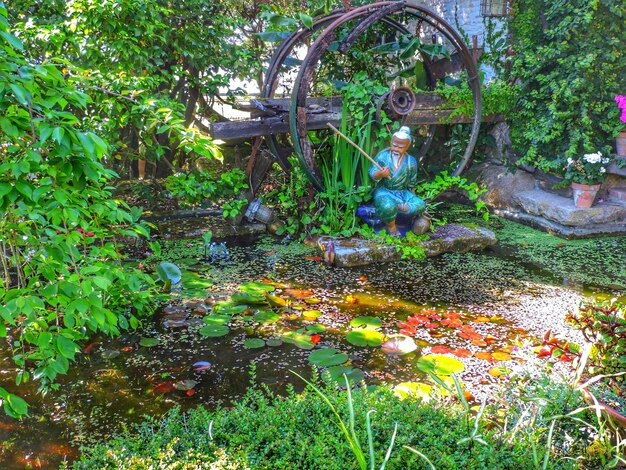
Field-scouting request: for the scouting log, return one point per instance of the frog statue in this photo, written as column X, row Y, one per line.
column 395, row 179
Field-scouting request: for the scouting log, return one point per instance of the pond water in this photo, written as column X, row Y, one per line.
column 515, row 292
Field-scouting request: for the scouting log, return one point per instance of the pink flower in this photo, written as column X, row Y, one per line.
column 621, row 104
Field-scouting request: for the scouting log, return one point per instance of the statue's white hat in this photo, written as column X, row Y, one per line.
column 404, row 133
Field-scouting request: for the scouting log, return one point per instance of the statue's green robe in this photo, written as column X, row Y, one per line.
column 397, row 189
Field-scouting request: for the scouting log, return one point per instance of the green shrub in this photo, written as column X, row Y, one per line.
column 300, row 431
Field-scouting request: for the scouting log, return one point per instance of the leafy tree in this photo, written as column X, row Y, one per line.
column 62, row 277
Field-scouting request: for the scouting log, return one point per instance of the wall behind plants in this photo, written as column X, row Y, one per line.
column 569, row 62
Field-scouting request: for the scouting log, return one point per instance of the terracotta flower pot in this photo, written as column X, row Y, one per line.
column 620, row 144
column 584, row 194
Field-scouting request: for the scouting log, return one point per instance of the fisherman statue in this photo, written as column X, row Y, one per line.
column 395, row 178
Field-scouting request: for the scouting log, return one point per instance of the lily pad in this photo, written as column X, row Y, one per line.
column 214, row 331
column 298, row 339
column 169, row 272
column 327, row 357
column 366, row 322
column 312, row 300
column 256, row 288
column 365, row 337
column 316, row 328
column 440, row 365
column 276, row 301
column 229, row 308
column 216, row 319
column 266, row 316
column 413, row 389
column 253, row 343
column 148, row 342
column 311, row 314
column 243, row 298
column 274, row 342
column 336, row 374
column 185, row 385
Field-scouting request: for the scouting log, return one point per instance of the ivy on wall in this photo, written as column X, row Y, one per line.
column 569, row 63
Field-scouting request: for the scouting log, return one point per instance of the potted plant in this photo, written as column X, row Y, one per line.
column 585, row 175
column 620, row 140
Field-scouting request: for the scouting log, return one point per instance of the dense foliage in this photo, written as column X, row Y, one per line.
column 569, row 63
column 300, row 431
column 62, row 277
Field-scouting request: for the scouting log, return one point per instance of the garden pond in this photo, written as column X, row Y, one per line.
column 260, row 309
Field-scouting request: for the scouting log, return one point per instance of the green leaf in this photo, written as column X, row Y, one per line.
column 298, row 339
column 253, row 343
column 336, row 374
column 216, row 319
column 66, row 347
column 17, row 404
column 440, row 364
column 273, row 36
column 366, row 337
column 169, row 271
column 214, row 331
column 185, row 385
column 248, row 299
column 266, row 316
column 306, row 20
column 366, row 322
column 258, row 288
column 413, row 389
column 149, row 342
column 14, row 41
column 327, row 357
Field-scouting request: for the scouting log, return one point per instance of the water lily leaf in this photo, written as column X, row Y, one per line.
column 311, row 314
column 440, row 365
column 399, row 344
column 148, row 342
column 169, row 271
column 327, row 357
column 214, row 331
column 276, row 301
column 441, row 350
column 164, row 387
column 498, row 371
column 365, row 337
column 312, row 301
column 462, row 352
column 229, row 308
column 316, row 328
column 501, row 356
column 274, row 342
column 366, row 322
column 253, row 343
column 248, row 299
column 336, row 374
column 256, row 288
column 485, row 356
column 300, row 293
column 216, row 319
column 266, row 316
column 185, row 385
column 413, row 389
column 298, row 339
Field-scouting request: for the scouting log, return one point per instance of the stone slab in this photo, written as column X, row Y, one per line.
column 445, row 239
column 562, row 210
column 563, row 231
